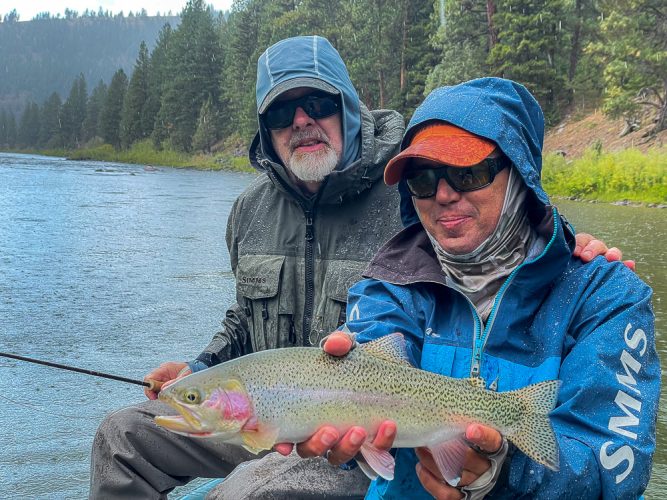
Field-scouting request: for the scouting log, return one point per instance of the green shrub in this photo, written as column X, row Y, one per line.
column 626, row 175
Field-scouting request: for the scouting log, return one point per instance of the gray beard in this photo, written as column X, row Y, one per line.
column 313, row 167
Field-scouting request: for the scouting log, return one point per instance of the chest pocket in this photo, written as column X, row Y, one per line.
column 330, row 314
column 261, row 292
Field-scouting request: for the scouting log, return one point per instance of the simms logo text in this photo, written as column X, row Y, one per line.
column 253, row 280
column 629, row 402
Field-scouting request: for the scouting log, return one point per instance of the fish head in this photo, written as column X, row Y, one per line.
column 207, row 408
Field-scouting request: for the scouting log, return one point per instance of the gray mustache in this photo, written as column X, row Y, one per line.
column 300, row 136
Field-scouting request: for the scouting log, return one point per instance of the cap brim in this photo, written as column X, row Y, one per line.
column 457, row 151
column 282, row 87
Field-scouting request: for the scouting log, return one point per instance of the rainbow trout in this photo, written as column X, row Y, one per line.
column 285, row 395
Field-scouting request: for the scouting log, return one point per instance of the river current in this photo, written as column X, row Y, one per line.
column 117, row 268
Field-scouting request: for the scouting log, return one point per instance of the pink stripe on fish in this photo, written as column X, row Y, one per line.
column 232, row 405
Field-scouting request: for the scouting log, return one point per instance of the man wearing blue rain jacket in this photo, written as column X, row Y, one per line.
column 483, row 284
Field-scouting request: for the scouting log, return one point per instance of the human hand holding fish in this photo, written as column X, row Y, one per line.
column 327, row 440
column 487, row 440
column 286, row 395
column 164, row 374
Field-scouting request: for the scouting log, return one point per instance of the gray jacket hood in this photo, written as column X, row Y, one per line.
column 308, row 61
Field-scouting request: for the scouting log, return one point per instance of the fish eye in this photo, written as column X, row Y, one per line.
column 192, row 396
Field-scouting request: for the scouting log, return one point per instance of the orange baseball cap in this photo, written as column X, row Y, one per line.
column 441, row 142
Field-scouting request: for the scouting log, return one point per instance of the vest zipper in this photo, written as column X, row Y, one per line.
column 309, row 263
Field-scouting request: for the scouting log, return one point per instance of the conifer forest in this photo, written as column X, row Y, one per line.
column 193, row 87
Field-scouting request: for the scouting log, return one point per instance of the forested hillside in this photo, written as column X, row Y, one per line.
column 45, row 55
column 195, row 87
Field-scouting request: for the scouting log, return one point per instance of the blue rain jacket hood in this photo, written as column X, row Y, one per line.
column 302, row 58
column 497, row 109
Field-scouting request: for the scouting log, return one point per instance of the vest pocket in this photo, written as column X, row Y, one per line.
column 339, row 277
column 259, row 288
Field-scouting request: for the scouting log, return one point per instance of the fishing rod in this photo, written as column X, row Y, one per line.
column 152, row 385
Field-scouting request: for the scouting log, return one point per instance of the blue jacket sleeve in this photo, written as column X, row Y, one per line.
column 376, row 309
column 605, row 419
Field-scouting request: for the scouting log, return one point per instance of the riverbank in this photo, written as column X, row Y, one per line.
column 143, row 153
column 628, row 177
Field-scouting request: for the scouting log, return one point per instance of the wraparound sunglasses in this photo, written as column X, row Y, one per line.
column 423, row 182
column 281, row 114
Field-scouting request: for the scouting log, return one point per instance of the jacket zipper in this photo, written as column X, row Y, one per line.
column 309, row 276
column 481, row 336
column 308, row 208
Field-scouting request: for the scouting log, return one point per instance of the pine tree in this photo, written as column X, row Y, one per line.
column 240, row 68
column 28, row 133
column 206, row 133
column 132, row 127
column 463, row 42
column 532, row 49
column 158, row 75
column 112, row 109
column 195, row 60
column 11, row 131
column 417, row 55
column 91, row 124
column 3, row 129
column 50, row 133
column 158, row 72
column 74, row 112
column 585, row 70
column 634, row 50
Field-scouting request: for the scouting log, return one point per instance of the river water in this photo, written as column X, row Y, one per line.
column 118, row 268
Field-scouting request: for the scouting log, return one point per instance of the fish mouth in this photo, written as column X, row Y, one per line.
column 187, row 423
column 179, row 425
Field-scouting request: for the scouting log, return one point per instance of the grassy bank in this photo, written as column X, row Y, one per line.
column 143, row 153
column 607, row 177
column 626, row 175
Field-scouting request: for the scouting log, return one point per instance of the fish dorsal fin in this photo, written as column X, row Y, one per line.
column 478, row 382
column 389, row 348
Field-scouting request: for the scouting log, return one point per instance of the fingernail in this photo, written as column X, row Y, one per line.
column 587, row 254
column 474, row 433
column 356, row 438
column 329, row 438
column 389, row 431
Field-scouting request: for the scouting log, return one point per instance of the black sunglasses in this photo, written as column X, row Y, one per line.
column 423, row 182
column 319, row 105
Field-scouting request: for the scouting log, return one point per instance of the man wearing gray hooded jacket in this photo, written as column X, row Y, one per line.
column 298, row 237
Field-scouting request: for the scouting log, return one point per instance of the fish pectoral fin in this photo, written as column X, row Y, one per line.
column 380, row 462
column 262, row 438
column 449, row 457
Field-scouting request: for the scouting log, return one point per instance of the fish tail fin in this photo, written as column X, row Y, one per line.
column 533, row 434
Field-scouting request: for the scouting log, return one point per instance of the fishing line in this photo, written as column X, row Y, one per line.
column 153, row 385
